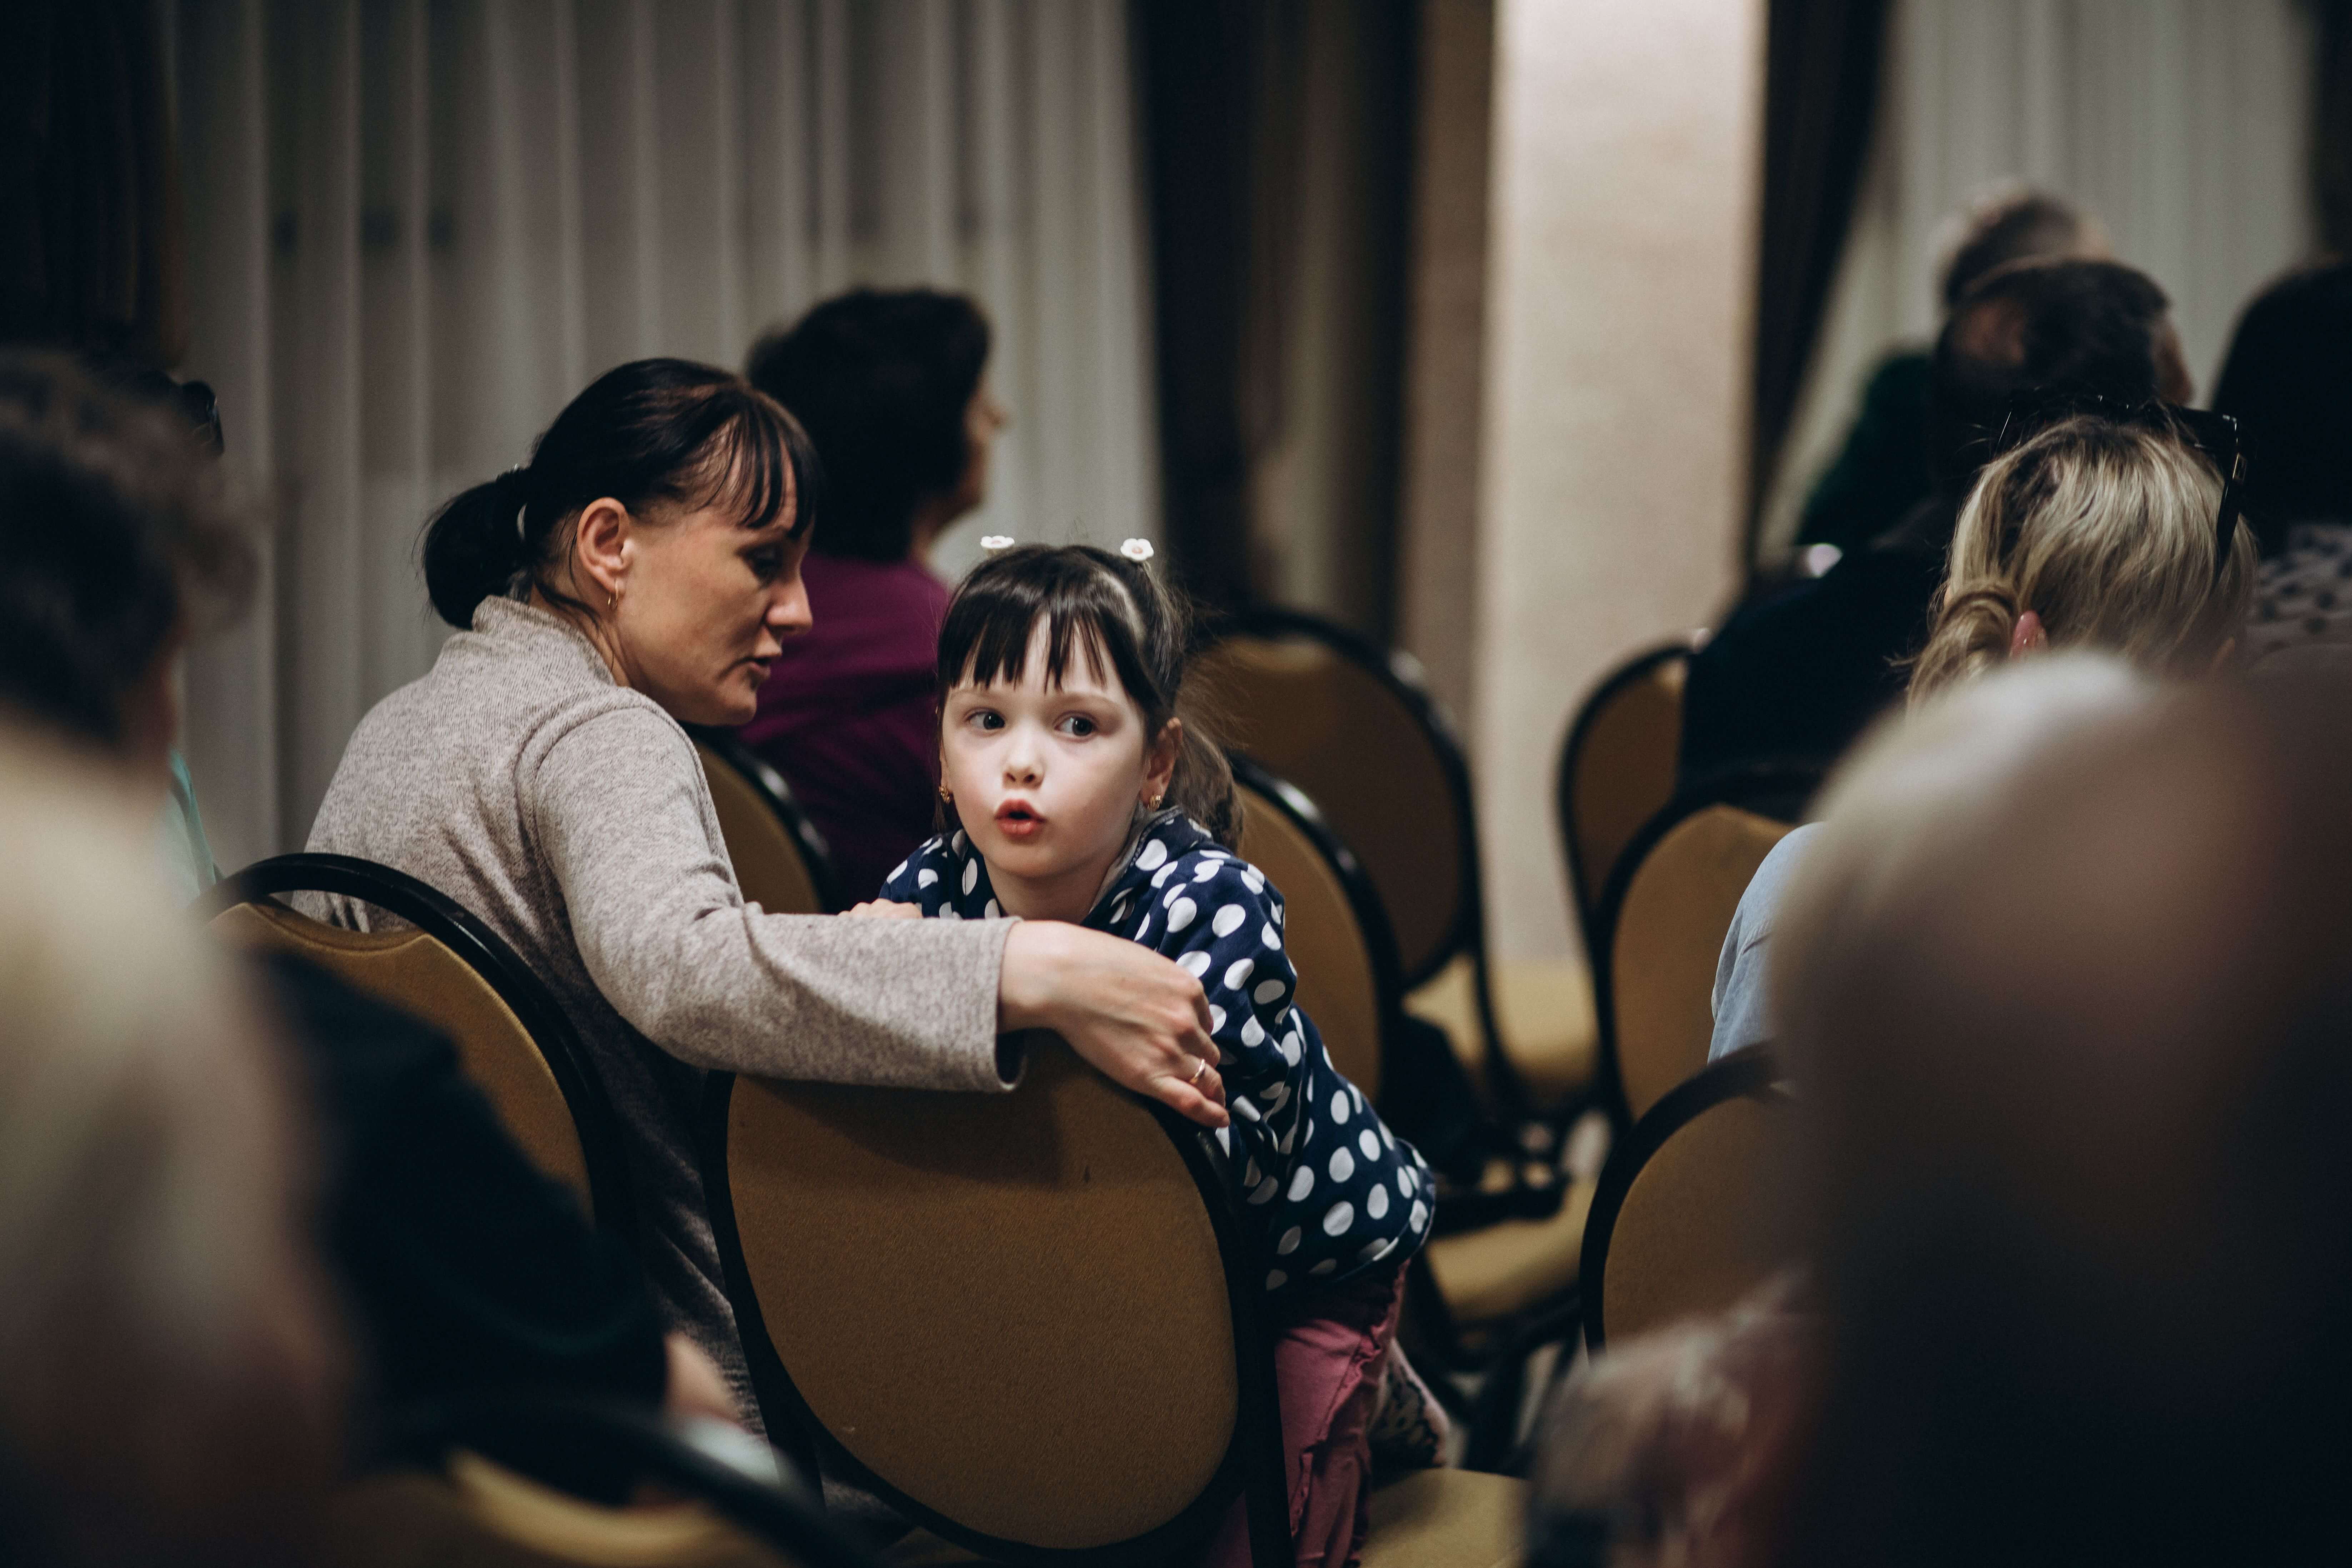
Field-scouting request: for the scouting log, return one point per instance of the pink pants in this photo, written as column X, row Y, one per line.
column 1327, row 1349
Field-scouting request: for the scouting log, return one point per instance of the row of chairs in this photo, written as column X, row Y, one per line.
column 1122, row 1395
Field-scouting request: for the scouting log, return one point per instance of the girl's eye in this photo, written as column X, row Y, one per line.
column 1079, row 726
column 985, row 718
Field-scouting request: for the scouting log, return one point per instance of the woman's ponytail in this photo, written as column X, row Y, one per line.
column 478, row 544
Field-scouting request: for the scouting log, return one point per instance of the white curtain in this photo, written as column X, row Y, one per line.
column 2183, row 125
column 416, row 230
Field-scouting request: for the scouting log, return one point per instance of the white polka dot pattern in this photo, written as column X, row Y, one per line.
column 1321, row 1213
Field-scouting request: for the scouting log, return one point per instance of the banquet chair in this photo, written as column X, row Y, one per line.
column 471, row 1487
column 1353, row 726
column 1027, row 1321
column 1660, row 931
column 780, row 861
column 437, row 962
column 1687, row 1220
column 1617, row 768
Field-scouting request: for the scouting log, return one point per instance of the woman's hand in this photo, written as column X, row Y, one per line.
column 884, row 909
column 1137, row 1018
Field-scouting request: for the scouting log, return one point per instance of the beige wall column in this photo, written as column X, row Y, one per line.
column 1621, row 269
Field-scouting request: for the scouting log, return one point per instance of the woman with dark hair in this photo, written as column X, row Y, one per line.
column 891, row 388
column 641, row 571
column 2288, row 382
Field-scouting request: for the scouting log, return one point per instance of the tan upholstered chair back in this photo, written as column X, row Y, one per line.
column 770, row 865
column 1333, row 727
column 483, row 1515
column 1667, row 935
column 1701, row 1225
column 1621, row 768
column 1338, row 985
column 1011, row 1310
column 416, row 973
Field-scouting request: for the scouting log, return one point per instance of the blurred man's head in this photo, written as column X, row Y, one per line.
column 2064, row 328
column 2069, row 1033
column 2016, row 224
column 2288, row 381
column 118, row 545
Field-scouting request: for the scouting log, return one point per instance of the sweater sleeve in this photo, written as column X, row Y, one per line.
column 617, row 800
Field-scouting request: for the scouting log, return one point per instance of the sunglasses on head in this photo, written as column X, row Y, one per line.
column 2215, row 435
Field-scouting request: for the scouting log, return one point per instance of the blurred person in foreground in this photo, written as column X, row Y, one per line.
column 169, row 1369
column 2288, row 382
column 1680, row 1446
column 1789, row 682
column 464, row 1269
column 1882, row 471
column 2071, row 1054
column 892, row 389
column 2096, row 532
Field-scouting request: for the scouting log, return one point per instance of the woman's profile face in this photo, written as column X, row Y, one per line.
column 983, row 416
column 704, row 608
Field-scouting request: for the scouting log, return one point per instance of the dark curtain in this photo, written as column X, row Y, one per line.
column 1226, row 92
column 91, row 226
column 1200, row 62
column 2331, row 141
column 1820, row 94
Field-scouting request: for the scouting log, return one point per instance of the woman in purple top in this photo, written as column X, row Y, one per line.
column 891, row 388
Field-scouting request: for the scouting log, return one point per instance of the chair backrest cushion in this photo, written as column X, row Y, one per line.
column 1622, row 772
column 1331, row 727
column 1011, row 1309
column 1668, row 934
column 412, row 971
column 1699, row 1228
column 1337, row 987
column 769, row 866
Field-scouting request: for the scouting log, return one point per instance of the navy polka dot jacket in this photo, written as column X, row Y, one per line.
column 1339, row 1191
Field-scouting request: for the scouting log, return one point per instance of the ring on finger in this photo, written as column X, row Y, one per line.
column 1198, row 1067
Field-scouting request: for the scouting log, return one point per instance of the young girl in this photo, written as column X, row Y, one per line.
column 1073, row 791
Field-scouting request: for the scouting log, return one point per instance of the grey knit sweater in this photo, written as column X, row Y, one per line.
column 571, row 815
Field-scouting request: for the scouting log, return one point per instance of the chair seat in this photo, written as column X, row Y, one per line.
column 1448, row 1518
column 1489, row 1274
column 1544, row 1009
column 1429, row 1518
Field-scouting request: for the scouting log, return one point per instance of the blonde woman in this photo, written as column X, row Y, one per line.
column 2111, row 532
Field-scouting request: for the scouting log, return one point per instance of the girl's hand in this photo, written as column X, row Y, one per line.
column 884, row 909
column 1134, row 1016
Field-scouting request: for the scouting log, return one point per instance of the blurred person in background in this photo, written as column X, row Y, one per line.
column 1882, row 471
column 2093, row 534
column 464, row 1269
column 1789, row 682
column 2288, row 382
column 2070, row 1052
column 1680, row 1445
column 170, row 1367
column 892, row 389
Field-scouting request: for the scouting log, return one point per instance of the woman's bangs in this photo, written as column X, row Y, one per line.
column 754, row 469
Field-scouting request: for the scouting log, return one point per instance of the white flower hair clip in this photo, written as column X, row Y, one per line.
column 996, row 541
column 1136, row 550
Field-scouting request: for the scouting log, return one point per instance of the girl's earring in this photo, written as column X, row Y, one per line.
column 946, row 794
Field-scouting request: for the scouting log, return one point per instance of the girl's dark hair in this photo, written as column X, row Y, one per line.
column 118, row 536
column 650, row 432
column 881, row 380
column 1099, row 607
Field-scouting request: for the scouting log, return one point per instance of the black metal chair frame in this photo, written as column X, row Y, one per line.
column 784, row 1512
column 1779, row 793
column 1400, row 675
column 484, row 951
column 1252, row 1466
column 1585, row 883
column 770, row 786
column 1751, row 1073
